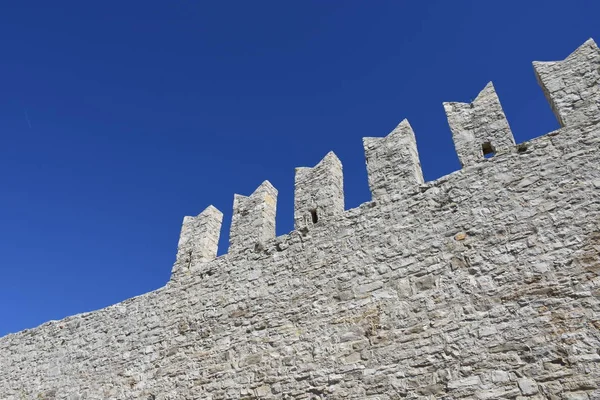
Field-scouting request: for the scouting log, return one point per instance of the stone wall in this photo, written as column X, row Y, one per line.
column 482, row 284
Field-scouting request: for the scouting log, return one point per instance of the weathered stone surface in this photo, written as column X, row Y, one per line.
column 528, row 386
column 319, row 192
column 393, row 163
column 253, row 221
column 199, row 239
column 479, row 128
column 572, row 86
column 483, row 284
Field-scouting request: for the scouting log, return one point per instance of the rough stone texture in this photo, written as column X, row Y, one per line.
column 199, row 239
column 319, row 192
column 253, row 221
column 479, row 127
column 393, row 163
column 572, row 86
column 485, row 284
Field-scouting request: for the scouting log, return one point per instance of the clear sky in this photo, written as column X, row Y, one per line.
column 117, row 118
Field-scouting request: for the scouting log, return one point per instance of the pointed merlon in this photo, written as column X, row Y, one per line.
column 253, row 220
column 199, row 239
column 393, row 163
column 572, row 86
column 319, row 192
column 479, row 128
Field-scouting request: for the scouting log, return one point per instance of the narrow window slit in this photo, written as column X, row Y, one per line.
column 488, row 150
column 314, row 216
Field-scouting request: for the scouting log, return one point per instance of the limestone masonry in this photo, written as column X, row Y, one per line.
column 483, row 284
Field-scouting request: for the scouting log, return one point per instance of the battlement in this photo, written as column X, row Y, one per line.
column 572, row 85
column 480, row 132
column 484, row 283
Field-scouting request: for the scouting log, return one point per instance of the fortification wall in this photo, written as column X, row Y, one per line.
column 483, row 284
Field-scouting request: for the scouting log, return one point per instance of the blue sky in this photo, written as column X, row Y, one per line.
column 119, row 118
